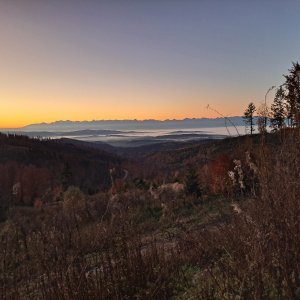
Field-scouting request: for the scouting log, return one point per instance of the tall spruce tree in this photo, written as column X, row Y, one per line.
column 192, row 186
column 278, row 111
column 249, row 117
column 292, row 85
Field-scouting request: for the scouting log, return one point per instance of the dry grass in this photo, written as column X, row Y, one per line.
column 71, row 251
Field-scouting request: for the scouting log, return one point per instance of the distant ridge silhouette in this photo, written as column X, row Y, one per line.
column 149, row 124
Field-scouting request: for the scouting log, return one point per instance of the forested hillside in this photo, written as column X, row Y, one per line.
column 76, row 225
column 33, row 170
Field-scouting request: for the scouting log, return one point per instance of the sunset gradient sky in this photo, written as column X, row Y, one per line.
column 85, row 60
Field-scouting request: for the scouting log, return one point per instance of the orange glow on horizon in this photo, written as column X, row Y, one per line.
column 24, row 107
column 12, row 123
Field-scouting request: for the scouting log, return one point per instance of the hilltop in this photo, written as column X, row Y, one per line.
column 175, row 220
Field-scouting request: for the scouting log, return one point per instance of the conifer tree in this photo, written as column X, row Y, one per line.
column 292, row 85
column 278, row 110
column 192, row 183
column 249, row 117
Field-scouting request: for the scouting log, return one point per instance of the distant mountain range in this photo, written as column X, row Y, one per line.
column 134, row 124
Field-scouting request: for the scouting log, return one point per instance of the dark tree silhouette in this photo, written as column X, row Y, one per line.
column 278, row 111
column 192, row 183
column 249, row 117
column 292, row 85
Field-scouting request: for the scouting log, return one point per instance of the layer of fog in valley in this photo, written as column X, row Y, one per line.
column 134, row 138
column 133, row 133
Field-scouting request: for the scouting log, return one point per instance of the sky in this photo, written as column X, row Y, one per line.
column 138, row 59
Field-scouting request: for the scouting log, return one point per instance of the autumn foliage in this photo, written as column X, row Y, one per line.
column 218, row 174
